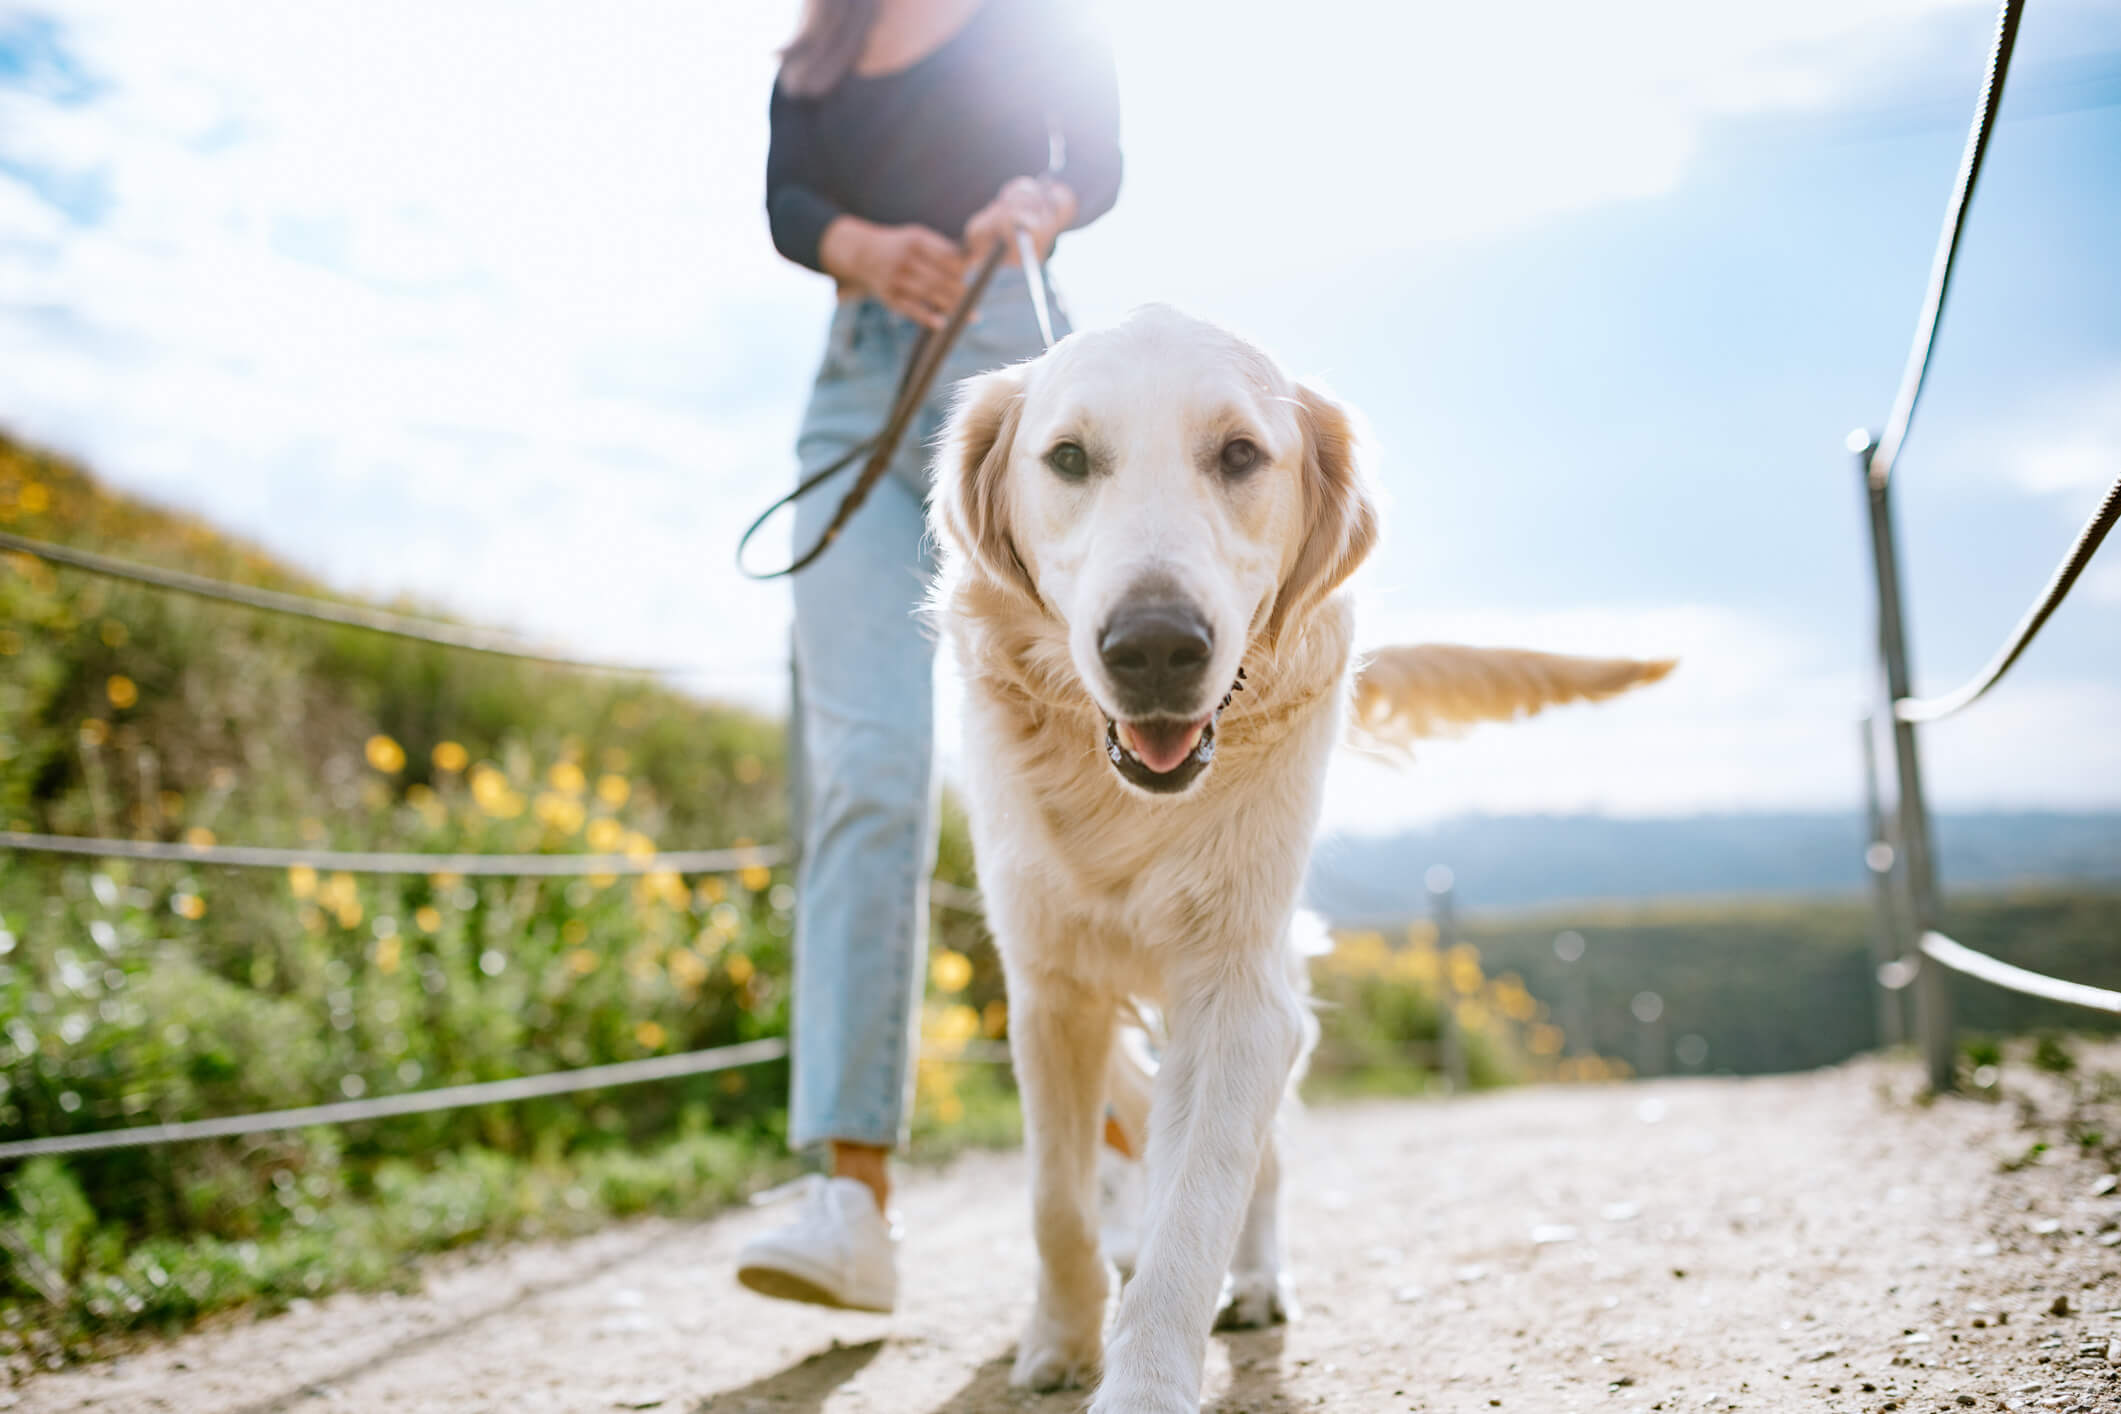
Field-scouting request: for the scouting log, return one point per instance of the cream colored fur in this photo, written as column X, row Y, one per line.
column 1099, row 892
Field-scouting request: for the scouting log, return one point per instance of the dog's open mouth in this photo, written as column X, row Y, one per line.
column 1164, row 755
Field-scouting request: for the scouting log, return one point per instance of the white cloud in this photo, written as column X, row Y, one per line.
column 1262, row 145
column 2072, row 441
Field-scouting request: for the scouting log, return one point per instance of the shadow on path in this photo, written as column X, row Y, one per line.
column 802, row 1388
column 1255, row 1374
column 324, row 1386
column 988, row 1390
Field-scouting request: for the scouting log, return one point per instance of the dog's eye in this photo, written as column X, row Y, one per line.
column 1240, row 455
column 1069, row 461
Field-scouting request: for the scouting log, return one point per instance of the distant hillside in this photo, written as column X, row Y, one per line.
column 1508, row 862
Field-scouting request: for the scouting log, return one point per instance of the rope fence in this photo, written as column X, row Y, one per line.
column 941, row 892
column 305, row 606
column 548, row 866
column 1907, row 897
column 459, row 1097
column 1960, row 958
column 1936, row 709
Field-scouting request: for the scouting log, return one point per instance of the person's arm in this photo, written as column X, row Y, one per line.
column 796, row 210
column 913, row 270
column 1084, row 112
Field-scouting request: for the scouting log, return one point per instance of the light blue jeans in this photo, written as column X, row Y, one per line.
column 863, row 722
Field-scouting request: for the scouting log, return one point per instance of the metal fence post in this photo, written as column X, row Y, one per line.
column 1457, row 1071
column 1933, row 996
column 1878, row 858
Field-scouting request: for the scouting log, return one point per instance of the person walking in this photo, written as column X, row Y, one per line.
column 908, row 138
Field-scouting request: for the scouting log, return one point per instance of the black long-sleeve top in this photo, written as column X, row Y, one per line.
column 1018, row 85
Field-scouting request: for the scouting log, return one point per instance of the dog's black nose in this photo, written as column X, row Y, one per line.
column 1155, row 651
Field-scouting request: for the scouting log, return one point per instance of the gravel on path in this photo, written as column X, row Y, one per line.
column 1817, row 1242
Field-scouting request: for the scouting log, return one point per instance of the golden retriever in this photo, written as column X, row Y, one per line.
column 1146, row 532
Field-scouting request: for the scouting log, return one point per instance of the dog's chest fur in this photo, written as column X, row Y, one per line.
column 1058, row 834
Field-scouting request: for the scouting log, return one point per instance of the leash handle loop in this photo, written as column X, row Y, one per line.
column 922, row 365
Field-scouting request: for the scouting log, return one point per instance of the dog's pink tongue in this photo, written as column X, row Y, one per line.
column 1162, row 746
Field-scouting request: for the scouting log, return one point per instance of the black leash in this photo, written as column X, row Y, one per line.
column 922, row 365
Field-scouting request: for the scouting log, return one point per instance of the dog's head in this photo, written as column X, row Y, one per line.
column 1168, row 498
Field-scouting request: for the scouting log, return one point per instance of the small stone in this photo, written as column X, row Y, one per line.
column 2061, row 1306
column 1828, row 1353
column 2106, row 1184
column 2048, row 1227
column 1966, row 1401
column 1547, row 1234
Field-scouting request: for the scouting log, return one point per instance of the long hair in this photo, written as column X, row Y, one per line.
column 825, row 48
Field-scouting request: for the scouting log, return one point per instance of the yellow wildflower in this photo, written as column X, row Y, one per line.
column 1546, row 1040
column 638, row 847
column 567, row 778
column 385, row 754
column 387, row 954
column 189, row 905
column 613, row 789
column 687, row 969
column 650, row 1035
column 94, row 731
column 428, row 917
column 34, row 498
column 301, row 880
column 740, row 968
column 581, row 962
column 606, row 835
column 1465, row 969
column 558, row 811
column 949, row 970
column 995, row 1019
column 199, row 837
column 449, row 756
column 121, row 690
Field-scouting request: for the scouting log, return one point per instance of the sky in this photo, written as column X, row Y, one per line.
column 475, row 304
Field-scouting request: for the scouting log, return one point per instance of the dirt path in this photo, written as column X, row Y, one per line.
column 1793, row 1243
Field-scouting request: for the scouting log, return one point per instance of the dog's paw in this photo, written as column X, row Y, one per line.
column 1256, row 1300
column 1117, row 1396
column 1051, row 1365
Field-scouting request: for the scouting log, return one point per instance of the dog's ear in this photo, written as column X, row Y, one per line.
column 970, row 493
column 1340, row 519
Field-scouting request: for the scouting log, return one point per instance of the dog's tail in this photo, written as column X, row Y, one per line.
column 1416, row 690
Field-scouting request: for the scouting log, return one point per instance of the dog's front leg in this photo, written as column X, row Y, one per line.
column 1061, row 1035
column 1236, row 1027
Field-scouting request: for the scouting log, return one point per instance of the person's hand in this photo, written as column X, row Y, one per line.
column 914, row 271
column 1040, row 206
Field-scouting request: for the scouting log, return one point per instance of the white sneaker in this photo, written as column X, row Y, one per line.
column 1122, row 1190
column 839, row 1251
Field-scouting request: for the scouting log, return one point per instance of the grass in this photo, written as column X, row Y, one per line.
column 135, row 993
